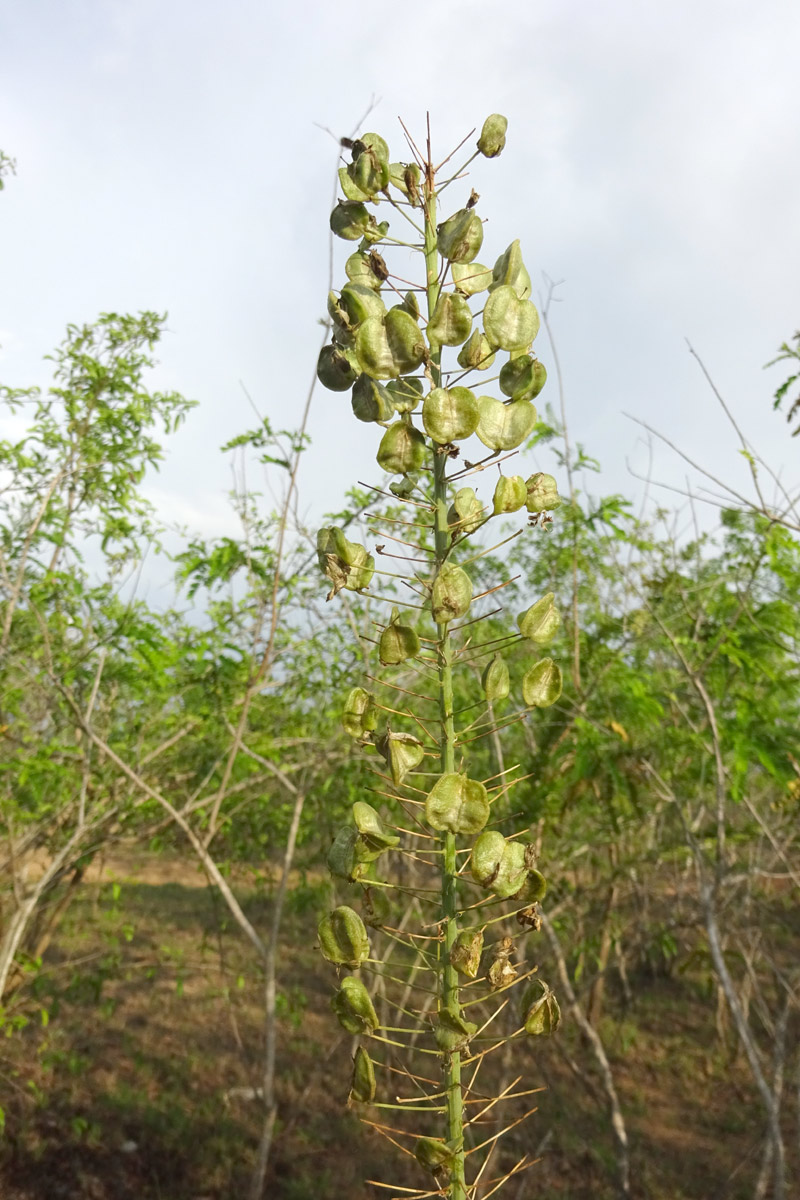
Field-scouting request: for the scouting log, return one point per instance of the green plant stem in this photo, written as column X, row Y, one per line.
column 449, row 978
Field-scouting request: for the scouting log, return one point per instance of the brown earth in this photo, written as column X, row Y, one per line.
column 134, row 1074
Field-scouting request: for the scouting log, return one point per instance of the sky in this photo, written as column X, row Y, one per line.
column 173, row 157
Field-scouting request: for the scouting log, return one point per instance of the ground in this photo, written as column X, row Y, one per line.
column 134, row 1076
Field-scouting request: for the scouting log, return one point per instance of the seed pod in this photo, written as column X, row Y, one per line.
column 350, row 188
column 351, row 221
column 406, row 393
column 541, row 686
column 471, row 278
column 542, row 493
column 493, row 135
column 460, row 237
column 374, row 142
column 406, row 486
column 342, row 859
column 373, row 838
column 369, row 172
column 498, row 864
column 354, row 1008
column 343, row 937
column 402, row 449
column 406, row 177
column 453, row 1032
column 540, row 623
column 345, row 563
column 476, row 354
column 362, row 1088
column 358, row 269
column 505, row 426
column 466, row 513
column 402, row 753
column 502, row 971
column 510, row 269
column 371, row 401
column 451, row 594
column 465, row 954
column 534, row 889
column 539, row 1010
column 522, row 378
column 337, row 369
column 510, row 494
column 410, row 305
column 398, row 641
column 451, row 322
column 360, row 302
column 389, row 346
column 495, row 680
column 450, row 414
column 432, row 1155
column 457, row 805
column 360, row 716
column 508, row 322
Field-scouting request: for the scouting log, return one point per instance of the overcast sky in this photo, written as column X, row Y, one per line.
column 169, row 158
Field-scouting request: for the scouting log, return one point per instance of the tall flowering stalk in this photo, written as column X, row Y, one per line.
column 394, row 348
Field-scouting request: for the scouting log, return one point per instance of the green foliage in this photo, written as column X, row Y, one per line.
column 791, row 354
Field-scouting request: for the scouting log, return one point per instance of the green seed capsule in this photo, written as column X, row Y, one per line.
column 360, row 716
column 510, row 494
column 457, row 804
column 476, row 354
column 511, row 270
column 505, row 426
column 460, row 237
column 354, row 1008
column 498, row 864
column 539, row 1010
column 541, row 686
column 371, row 401
column 362, row 1088
column 465, row 955
column 493, row 135
column 541, row 621
column 337, row 369
column 451, row 594
column 466, row 513
column 372, row 833
column 495, row 680
column 343, row 937
column 450, row 414
column 398, row 642
column 402, row 449
column 508, row 322
column 542, row 493
column 471, row 278
column 402, row 752
column 522, row 378
column 351, row 220
column 406, row 393
column 451, row 322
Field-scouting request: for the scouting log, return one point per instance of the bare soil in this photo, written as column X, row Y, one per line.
column 133, row 1058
